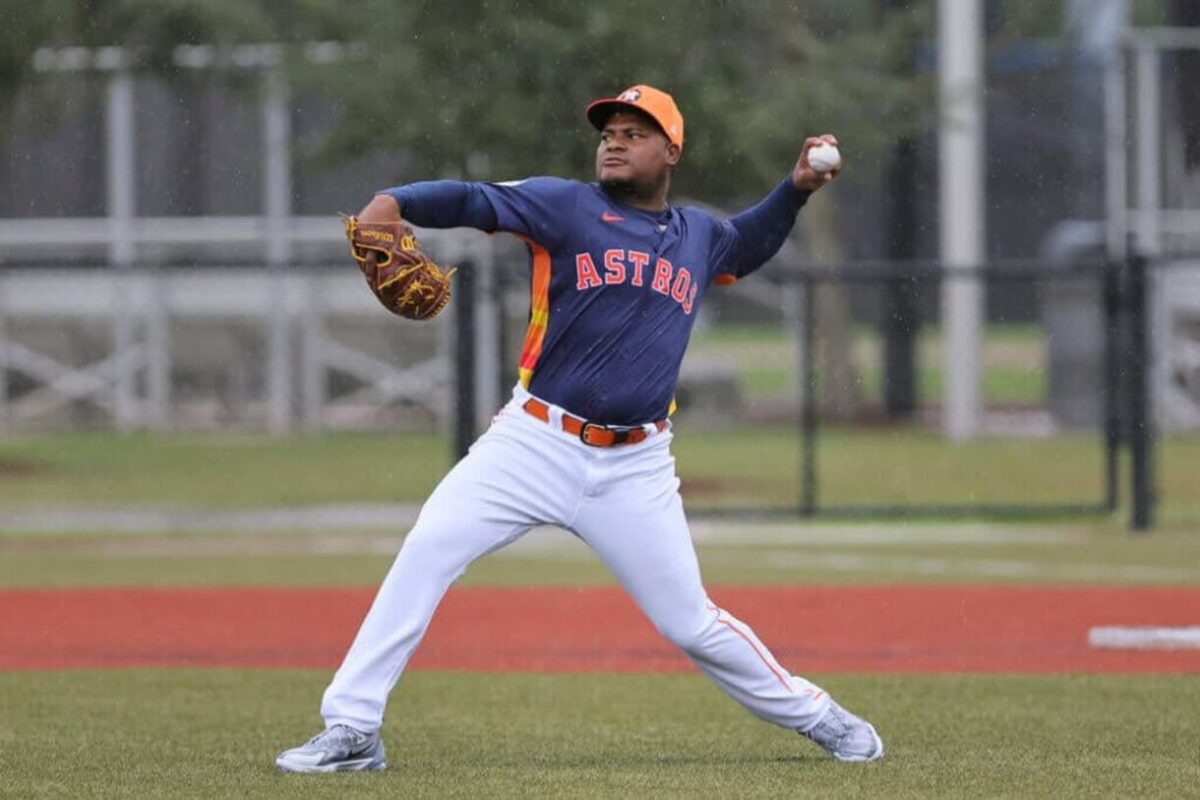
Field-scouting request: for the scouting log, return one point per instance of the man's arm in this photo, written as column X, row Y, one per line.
column 757, row 233
column 535, row 208
column 433, row 204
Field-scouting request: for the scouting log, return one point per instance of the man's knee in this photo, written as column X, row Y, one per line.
column 688, row 633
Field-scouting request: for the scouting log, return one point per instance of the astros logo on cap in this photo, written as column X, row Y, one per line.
column 654, row 103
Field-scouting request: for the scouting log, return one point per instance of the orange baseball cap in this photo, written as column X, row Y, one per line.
column 655, row 103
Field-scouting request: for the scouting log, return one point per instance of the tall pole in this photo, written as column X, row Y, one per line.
column 960, row 149
column 277, row 201
column 900, row 320
column 1116, row 145
column 1147, row 67
column 121, row 207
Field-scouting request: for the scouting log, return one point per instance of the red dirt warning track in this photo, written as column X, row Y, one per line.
column 811, row 629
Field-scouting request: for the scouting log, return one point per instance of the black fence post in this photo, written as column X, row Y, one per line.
column 1141, row 421
column 900, row 327
column 504, row 374
column 808, row 399
column 464, row 360
column 901, row 311
column 1112, row 384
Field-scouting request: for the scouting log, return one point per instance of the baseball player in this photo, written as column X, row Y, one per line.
column 617, row 278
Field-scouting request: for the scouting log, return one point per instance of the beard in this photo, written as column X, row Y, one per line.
column 622, row 188
column 626, row 189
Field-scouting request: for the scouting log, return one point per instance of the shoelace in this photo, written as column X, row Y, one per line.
column 836, row 725
column 334, row 736
column 843, row 726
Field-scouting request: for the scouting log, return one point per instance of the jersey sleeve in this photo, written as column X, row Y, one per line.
column 746, row 241
column 535, row 208
column 725, row 242
column 444, row 204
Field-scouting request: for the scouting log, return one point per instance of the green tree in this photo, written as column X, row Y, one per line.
column 148, row 28
column 495, row 88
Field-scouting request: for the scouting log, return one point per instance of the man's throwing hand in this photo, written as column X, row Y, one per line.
column 804, row 176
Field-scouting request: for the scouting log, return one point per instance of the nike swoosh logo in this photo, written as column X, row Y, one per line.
column 608, row 217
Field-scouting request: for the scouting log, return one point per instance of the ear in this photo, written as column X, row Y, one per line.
column 674, row 153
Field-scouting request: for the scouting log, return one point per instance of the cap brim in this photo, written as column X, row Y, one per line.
column 599, row 111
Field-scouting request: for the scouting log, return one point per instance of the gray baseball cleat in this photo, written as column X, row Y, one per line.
column 845, row 736
column 337, row 749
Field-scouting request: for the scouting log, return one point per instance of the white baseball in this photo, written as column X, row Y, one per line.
column 824, row 157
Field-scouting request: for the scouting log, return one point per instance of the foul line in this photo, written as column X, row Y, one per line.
column 1118, row 637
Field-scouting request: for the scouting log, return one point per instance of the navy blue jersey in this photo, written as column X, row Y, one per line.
column 614, row 289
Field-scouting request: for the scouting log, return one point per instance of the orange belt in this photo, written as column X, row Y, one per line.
column 593, row 433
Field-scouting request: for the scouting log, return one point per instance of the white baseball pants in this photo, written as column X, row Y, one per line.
column 623, row 502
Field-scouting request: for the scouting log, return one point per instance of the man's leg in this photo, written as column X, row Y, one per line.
column 507, row 483
column 455, row 527
column 633, row 519
column 488, row 500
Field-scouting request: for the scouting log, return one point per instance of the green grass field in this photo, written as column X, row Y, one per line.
column 185, row 733
column 190, row 734
column 756, row 465
column 730, row 553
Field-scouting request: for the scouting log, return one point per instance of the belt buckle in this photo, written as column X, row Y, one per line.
column 620, row 436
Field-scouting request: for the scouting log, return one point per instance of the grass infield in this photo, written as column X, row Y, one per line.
column 765, row 554
column 191, row 734
column 753, row 465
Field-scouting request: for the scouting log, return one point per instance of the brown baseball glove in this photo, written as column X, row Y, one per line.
column 404, row 279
